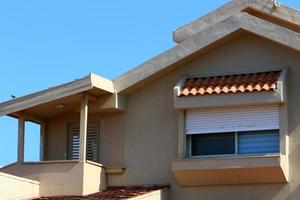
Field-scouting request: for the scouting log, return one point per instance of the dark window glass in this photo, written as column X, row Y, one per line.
column 254, row 142
column 212, row 144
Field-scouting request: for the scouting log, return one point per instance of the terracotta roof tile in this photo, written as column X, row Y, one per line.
column 265, row 81
column 112, row 193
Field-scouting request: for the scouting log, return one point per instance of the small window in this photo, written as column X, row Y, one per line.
column 238, row 143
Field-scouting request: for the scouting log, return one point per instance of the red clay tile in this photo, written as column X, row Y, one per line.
column 112, row 193
column 265, row 81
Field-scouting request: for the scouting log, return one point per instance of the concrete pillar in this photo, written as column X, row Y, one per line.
column 83, row 128
column 42, row 140
column 21, row 135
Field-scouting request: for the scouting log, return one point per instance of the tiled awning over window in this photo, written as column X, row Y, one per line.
column 240, row 83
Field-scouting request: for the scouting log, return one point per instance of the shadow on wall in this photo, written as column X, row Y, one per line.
column 246, row 192
column 294, row 161
column 294, row 135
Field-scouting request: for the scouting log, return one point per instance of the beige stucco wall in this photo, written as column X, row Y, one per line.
column 151, row 121
column 94, row 178
column 16, row 188
column 55, row 178
column 111, row 136
column 145, row 137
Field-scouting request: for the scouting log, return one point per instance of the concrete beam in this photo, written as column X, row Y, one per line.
column 28, row 117
column 102, row 83
column 112, row 101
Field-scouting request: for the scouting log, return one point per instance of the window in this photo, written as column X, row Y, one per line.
column 239, row 143
column 233, row 131
column 212, row 144
column 92, row 142
column 258, row 142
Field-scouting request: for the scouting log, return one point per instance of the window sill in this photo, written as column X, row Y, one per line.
column 232, row 156
column 230, row 170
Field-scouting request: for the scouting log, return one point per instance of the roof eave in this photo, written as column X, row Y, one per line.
column 61, row 91
column 284, row 13
column 205, row 38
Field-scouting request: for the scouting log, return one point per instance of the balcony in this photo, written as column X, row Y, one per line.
column 264, row 169
column 70, row 160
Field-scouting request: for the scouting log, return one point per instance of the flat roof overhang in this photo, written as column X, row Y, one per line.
column 60, row 99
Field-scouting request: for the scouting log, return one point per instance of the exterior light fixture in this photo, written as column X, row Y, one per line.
column 61, row 106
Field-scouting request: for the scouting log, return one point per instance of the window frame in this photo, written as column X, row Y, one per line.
column 236, row 154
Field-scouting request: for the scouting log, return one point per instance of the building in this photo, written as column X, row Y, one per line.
column 215, row 117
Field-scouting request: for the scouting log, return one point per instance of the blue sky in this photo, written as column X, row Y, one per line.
column 49, row 42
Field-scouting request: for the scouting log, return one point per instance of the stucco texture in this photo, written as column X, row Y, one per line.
column 151, row 125
column 145, row 137
column 26, row 188
column 111, row 136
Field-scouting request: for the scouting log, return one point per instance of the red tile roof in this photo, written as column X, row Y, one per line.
column 112, row 193
column 266, row 81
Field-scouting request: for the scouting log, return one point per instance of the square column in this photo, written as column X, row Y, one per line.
column 21, row 135
column 42, row 140
column 83, row 128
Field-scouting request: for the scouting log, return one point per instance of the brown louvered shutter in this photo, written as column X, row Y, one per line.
column 92, row 142
column 75, row 141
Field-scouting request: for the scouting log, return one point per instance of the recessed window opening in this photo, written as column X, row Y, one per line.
column 234, row 143
column 233, row 130
column 92, row 142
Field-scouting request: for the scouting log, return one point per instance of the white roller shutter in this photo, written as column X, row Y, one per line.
column 232, row 119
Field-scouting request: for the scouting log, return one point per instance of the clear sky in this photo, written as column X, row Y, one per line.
column 48, row 42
